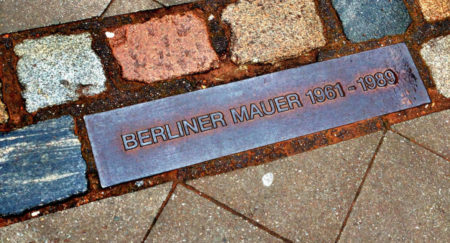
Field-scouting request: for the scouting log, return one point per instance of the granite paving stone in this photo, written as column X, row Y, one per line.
column 304, row 197
column 3, row 113
column 118, row 7
column 58, row 68
column 16, row 15
column 123, row 218
column 432, row 131
column 436, row 53
column 367, row 19
column 189, row 217
column 434, row 10
column 163, row 48
column 39, row 164
column 168, row 3
column 266, row 31
column 406, row 197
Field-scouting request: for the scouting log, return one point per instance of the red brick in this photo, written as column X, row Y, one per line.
column 163, row 48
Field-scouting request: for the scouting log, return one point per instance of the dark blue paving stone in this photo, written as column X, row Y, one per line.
column 372, row 19
column 40, row 164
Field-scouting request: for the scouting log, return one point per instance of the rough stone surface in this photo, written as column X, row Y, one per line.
column 309, row 194
column 40, row 164
column 57, row 69
column 163, row 48
column 16, row 15
column 367, row 19
column 436, row 54
column 433, row 131
column 434, row 10
column 124, row 218
column 406, row 197
column 191, row 218
column 168, row 3
column 118, row 7
column 266, row 31
column 3, row 113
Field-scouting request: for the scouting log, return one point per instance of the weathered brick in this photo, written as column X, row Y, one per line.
column 58, row 68
column 436, row 54
column 266, row 31
column 3, row 114
column 163, row 48
column 40, row 164
column 434, row 10
column 367, row 19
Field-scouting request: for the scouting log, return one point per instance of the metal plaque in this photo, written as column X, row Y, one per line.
column 166, row 134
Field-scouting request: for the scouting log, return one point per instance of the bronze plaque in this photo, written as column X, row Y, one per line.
column 166, row 134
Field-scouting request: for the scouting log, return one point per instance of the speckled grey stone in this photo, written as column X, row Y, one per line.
column 124, row 218
column 189, row 217
column 118, row 7
column 406, row 197
column 304, row 197
column 372, row 19
column 436, row 54
column 18, row 15
column 40, row 164
column 168, row 3
column 58, row 68
column 432, row 131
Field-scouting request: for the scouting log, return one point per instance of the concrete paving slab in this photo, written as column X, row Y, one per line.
column 118, row 7
column 406, row 197
column 124, row 218
column 305, row 197
column 17, row 15
column 189, row 217
column 433, row 131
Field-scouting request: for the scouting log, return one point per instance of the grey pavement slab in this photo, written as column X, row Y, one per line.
column 304, row 197
column 57, row 69
column 118, row 7
column 405, row 198
column 40, row 164
column 17, row 15
column 432, row 131
column 436, row 53
column 189, row 217
column 367, row 19
column 123, row 218
column 168, row 3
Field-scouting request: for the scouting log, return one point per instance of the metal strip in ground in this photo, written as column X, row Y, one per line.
column 178, row 131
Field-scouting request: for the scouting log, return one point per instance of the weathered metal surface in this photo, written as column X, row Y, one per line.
column 154, row 137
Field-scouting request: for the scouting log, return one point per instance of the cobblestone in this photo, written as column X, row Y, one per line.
column 40, row 164
column 57, row 69
column 436, row 53
column 118, row 7
column 434, row 10
column 366, row 19
column 266, row 31
column 163, row 48
column 118, row 219
column 3, row 113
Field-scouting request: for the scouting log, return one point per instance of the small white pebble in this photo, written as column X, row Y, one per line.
column 139, row 183
column 35, row 213
column 267, row 179
column 211, row 17
column 109, row 34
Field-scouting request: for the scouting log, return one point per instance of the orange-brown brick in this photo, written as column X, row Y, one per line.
column 163, row 48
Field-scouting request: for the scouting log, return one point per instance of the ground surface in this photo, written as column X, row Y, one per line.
column 382, row 179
